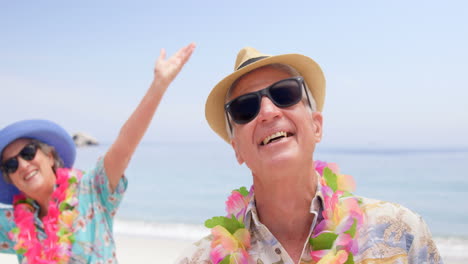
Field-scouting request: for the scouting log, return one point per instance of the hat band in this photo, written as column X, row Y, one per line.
column 250, row 61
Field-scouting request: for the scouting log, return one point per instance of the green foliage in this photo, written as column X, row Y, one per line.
column 346, row 194
column 62, row 231
column 25, row 201
column 62, row 206
column 231, row 224
column 225, row 260
column 242, row 190
column 65, row 206
column 352, row 230
column 350, row 259
column 323, row 241
column 72, row 238
column 15, row 230
column 72, row 180
column 330, row 178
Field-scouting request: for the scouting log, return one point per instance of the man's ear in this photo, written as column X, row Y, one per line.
column 317, row 120
column 239, row 158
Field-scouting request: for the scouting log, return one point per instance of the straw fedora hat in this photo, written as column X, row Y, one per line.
column 249, row 59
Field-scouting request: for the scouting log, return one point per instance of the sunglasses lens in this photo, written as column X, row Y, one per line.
column 10, row 166
column 286, row 93
column 244, row 108
column 28, row 152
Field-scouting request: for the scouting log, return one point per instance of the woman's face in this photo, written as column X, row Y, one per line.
column 34, row 177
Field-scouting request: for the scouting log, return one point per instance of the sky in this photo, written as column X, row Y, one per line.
column 395, row 70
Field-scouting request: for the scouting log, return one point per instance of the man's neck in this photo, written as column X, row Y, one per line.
column 283, row 205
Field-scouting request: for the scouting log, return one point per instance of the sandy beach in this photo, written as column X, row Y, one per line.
column 137, row 249
column 134, row 249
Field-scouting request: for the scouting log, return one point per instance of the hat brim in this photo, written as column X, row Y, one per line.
column 307, row 68
column 44, row 131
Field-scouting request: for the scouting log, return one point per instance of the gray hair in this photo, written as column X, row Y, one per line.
column 278, row 66
column 47, row 150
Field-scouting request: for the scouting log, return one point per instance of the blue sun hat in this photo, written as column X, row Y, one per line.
column 43, row 130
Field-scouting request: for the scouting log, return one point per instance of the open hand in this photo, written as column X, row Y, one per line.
column 119, row 154
column 166, row 70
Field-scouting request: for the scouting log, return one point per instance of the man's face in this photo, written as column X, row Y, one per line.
column 276, row 137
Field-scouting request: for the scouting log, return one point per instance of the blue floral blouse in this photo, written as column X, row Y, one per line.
column 93, row 227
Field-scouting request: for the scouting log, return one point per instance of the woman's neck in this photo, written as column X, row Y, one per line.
column 43, row 199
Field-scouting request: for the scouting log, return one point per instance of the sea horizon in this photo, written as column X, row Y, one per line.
column 174, row 187
column 196, row 177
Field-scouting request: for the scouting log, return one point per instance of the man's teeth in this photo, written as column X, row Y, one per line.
column 275, row 135
column 30, row 175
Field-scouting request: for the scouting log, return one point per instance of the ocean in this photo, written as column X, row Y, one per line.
column 175, row 186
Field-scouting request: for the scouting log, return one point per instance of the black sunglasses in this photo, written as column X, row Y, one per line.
column 284, row 93
column 27, row 153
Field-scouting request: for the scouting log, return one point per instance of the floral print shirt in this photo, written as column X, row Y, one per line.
column 93, row 227
column 392, row 234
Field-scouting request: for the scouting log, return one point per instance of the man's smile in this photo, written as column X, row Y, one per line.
column 275, row 137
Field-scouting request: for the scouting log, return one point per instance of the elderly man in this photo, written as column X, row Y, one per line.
column 298, row 210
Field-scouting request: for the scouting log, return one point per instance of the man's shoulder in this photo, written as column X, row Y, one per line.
column 383, row 211
column 392, row 231
column 197, row 253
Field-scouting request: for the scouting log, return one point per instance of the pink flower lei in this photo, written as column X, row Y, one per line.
column 58, row 223
column 333, row 240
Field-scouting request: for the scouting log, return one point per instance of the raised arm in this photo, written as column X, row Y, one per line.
column 119, row 154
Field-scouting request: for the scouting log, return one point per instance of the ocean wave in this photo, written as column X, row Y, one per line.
column 452, row 247
column 449, row 247
column 161, row 230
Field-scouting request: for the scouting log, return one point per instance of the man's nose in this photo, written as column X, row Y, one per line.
column 268, row 110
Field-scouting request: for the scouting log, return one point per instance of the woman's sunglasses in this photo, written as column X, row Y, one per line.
column 284, row 93
column 28, row 153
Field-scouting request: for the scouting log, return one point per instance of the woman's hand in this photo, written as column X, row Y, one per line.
column 165, row 71
column 117, row 158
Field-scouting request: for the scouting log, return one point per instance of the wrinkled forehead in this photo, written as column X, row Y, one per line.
column 259, row 78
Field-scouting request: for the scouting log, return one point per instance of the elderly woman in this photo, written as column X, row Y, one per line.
column 60, row 215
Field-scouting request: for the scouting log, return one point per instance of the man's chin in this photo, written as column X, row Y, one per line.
column 280, row 160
